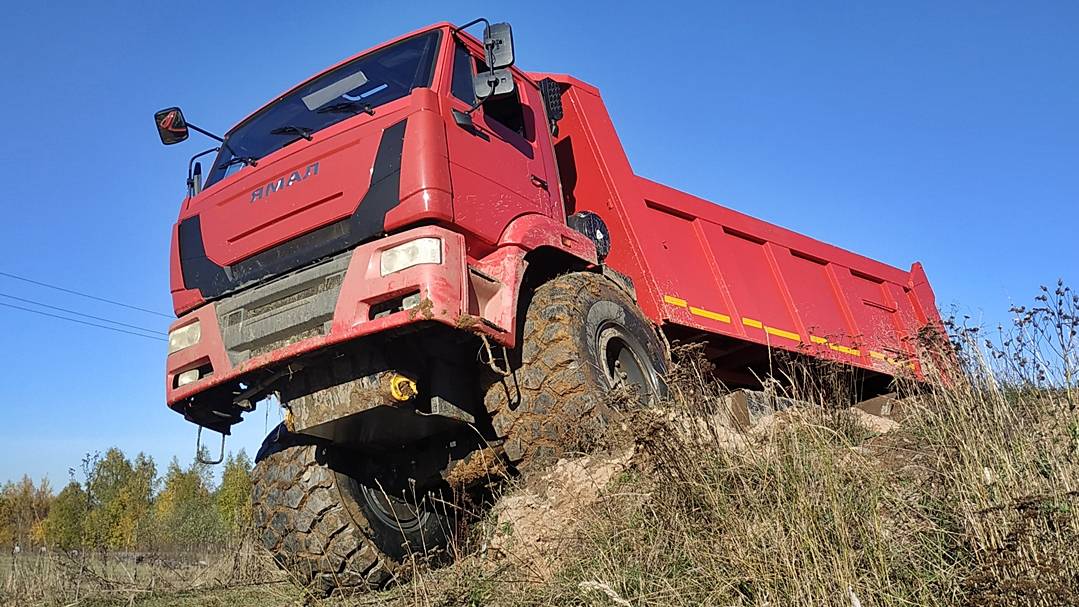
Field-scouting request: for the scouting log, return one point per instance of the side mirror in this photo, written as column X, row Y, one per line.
column 171, row 126
column 498, row 43
column 493, row 84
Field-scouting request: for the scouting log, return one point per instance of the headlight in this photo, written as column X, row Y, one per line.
column 412, row 253
column 184, row 337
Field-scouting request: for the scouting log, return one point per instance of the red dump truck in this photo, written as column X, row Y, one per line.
column 438, row 263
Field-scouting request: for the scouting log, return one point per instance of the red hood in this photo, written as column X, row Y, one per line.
column 353, row 181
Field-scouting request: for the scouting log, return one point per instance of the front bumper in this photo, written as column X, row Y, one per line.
column 240, row 341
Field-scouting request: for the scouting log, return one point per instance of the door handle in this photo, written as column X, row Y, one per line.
column 539, row 183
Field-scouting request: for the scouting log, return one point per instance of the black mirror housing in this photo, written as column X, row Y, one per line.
column 498, row 44
column 493, row 84
column 171, row 126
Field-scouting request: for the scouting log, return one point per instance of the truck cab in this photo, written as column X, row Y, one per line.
column 374, row 193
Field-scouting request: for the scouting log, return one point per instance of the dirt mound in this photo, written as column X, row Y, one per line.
column 533, row 523
column 874, row 423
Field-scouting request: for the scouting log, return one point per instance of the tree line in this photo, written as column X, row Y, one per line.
column 117, row 503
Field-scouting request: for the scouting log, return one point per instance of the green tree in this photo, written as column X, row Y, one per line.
column 136, row 521
column 120, row 495
column 233, row 499
column 184, row 511
column 23, row 507
column 64, row 524
column 108, row 475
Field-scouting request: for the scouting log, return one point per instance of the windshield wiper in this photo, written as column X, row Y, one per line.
column 355, row 107
column 288, row 129
column 246, row 160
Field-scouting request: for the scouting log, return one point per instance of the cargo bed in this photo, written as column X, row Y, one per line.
column 769, row 285
column 701, row 267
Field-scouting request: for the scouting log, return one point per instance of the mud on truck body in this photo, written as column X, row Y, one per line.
column 438, row 263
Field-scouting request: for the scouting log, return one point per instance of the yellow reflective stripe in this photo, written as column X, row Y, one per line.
column 681, row 303
column 877, row 355
column 756, row 324
column 709, row 314
column 783, row 334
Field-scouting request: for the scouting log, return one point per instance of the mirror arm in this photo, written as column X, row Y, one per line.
column 211, row 136
column 485, row 23
column 191, row 168
column 486, row 26
column 465, row 118
column 205, row 132
column 480, row 100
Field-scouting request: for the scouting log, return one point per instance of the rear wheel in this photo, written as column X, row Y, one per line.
column 332, row 525
column 583, row 338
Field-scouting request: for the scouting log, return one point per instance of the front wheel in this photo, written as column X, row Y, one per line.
column 330, row 526
column 582, row 339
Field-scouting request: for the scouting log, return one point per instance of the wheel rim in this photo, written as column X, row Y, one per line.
column 623, row 361
column 391, row 510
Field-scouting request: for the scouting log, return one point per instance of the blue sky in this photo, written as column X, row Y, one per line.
column 940, row 132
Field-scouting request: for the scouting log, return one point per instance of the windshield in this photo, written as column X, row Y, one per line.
column 354, row 88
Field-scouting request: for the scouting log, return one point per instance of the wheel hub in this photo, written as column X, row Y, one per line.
column 390, row 509
column 621, row 360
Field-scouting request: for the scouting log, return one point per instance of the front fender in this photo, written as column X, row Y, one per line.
column 495, row 280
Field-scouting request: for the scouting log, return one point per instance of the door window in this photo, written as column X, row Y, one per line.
column 507, row 111
column 462, row 75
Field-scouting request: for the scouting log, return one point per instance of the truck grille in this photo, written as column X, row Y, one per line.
column 282, row 312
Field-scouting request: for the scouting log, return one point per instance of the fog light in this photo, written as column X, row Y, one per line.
column 187, row 377
column 410, row 301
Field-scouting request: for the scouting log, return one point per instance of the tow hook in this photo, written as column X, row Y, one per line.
column 198, row 450
column 402, row 388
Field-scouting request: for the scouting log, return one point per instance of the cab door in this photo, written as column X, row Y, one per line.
column 497, row 169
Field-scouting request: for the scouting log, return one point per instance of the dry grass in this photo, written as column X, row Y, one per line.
column 973, row 500
column 58, row 578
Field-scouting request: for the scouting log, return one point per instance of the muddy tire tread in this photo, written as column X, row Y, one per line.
column 314, row 538
column 559, row 407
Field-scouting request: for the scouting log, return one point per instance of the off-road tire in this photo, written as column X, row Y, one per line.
column 310, row 520
column 556, row 400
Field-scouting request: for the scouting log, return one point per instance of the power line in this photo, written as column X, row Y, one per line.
column 86, row 295
column 82, row 322
column 108, row 320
